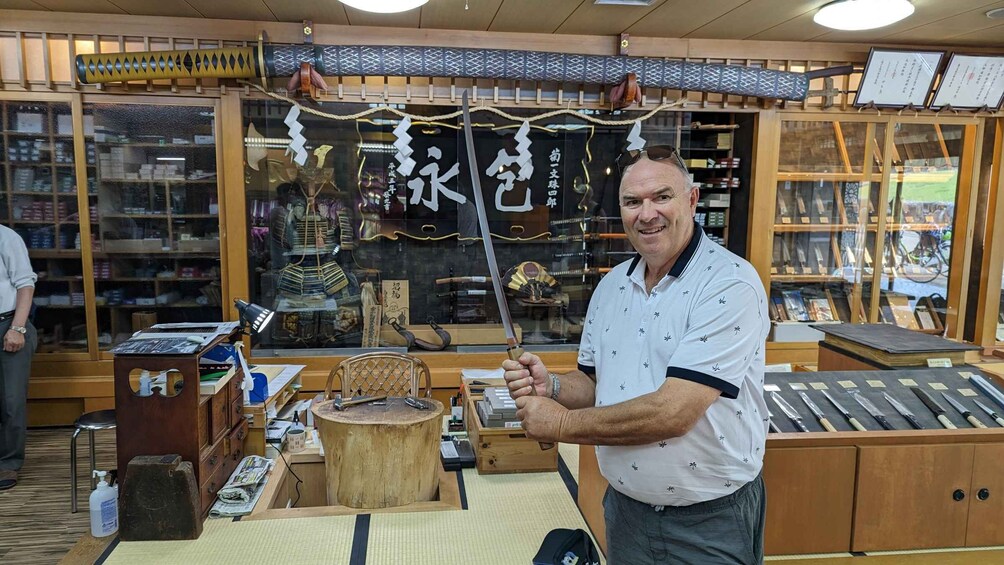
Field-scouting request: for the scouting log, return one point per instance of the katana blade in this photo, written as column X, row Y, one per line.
column 934, row 407
column 990, row 412
column 904, row 411
column 486, row 236
column 789, row 411
column 871, row 409
column 513, row 350
column 966, row 413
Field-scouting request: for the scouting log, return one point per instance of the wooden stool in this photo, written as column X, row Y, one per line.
column 380, row 455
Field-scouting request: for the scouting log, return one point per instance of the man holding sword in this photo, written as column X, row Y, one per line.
column 669, row 382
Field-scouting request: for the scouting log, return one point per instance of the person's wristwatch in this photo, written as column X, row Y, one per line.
column 19, row 329
column 555, row 385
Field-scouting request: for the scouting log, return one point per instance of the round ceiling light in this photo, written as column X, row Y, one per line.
column 856, row 15
column 384, row 6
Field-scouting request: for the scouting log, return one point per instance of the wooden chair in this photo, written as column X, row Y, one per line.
column 392, row 374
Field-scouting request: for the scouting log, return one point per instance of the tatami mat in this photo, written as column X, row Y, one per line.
column 507, row 518
column 570, row 454
column 290, row 541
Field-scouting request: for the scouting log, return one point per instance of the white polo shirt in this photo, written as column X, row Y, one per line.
column 705, row 321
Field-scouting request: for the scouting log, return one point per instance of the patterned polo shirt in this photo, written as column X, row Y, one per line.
column 705, row 321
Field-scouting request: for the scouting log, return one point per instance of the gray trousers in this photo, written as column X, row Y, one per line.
column 15, row 369
column 727, row 530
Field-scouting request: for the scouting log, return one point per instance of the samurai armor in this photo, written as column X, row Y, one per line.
column 324, row 279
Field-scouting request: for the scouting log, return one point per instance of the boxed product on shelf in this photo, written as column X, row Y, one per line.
column 29, row 122
column 134, row 245
column 792, row 331
column 198, row 245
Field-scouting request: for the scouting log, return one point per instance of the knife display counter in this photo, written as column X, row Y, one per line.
column 874, row 490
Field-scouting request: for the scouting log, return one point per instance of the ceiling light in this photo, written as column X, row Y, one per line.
column 384, row 6
column 855, row 15
column 996, row 14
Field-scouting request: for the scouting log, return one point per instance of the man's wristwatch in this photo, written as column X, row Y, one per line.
column 555, row 385
column 19, row 329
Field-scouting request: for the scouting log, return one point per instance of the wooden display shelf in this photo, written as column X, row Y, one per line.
column 842, row 491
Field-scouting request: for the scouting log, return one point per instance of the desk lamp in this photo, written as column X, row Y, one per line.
column 252, row 316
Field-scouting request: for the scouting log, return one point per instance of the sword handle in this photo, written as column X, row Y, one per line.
column 856, row 424
column 946, row 422
column 827, row 425
column 975, row 422
column 514, row 354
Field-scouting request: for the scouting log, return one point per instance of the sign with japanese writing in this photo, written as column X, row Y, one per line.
column 526, row 176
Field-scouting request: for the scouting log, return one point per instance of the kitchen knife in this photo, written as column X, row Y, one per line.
column 871, row 409
column 933, row 406
column 843, row 412
column 904, row 411
column 963, row 410
column 820, row 417
column 789, row 411
column 990, row 412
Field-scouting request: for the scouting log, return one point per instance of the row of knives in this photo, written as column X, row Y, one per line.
column 933, row 405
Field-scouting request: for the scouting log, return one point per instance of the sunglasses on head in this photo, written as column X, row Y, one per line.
column 653, row 153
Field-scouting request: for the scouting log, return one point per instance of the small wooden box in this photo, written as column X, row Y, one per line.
column 500, row 450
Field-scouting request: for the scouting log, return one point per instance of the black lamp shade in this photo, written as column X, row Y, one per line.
column 254, row 316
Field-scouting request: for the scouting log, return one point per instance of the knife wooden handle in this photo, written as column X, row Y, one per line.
column 514, row 354
column 827, row 425
column 974, row 421
column 856, row 424
column 946, row 422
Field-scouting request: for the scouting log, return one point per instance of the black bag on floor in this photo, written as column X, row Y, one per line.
column 565, row 547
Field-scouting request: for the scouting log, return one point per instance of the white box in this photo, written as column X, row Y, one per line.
column 204, row 140
column 25, row 122
column 797, row 331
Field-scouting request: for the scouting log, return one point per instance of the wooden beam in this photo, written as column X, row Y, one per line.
column 992, row 267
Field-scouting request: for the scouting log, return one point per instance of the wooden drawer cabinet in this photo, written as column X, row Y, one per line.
column 207, row 430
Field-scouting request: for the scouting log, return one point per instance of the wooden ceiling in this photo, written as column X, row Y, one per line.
column 935, row 22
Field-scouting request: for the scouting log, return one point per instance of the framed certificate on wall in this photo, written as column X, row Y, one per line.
column 896, row 78
column 971, row 82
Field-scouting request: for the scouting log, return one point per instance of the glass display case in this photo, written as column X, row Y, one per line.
column 38, row 200
column 154, row 212
column 376, row 230
column 839, row 233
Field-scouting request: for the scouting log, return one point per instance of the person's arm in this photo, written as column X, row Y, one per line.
column 23, row 278
column 666, row 413
column 575, row 390
column 22, row 305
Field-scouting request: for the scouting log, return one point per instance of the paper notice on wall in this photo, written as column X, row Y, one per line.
column 396, row 302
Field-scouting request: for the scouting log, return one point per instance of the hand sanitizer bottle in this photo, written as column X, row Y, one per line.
column 104, row 507
column 144, row 384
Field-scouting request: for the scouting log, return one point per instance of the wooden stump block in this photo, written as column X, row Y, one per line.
column 377, row 456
